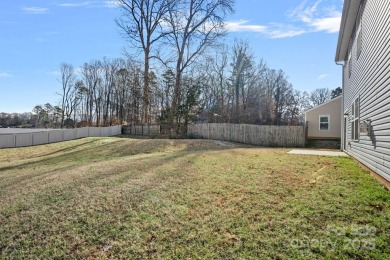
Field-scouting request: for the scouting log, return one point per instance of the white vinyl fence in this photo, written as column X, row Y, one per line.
column 10, row 137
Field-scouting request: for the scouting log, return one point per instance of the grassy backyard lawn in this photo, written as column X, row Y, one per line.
column 128, row 198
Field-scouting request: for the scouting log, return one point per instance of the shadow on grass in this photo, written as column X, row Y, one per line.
column 144, row 177
column 73, row 147
column 135, row 137
column 88, row 153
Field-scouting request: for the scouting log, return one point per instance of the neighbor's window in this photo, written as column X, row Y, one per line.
column 324, row 123
column 355, row 110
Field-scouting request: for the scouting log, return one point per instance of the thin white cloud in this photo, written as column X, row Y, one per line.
column 74, row 4
column 277, row 31
column 243, row 26
column 273, row 30
column 308, row 17
column 316, row 17
column 111, row 4
column 35, row 10
column 5, row 75
column 95, row 4
column 279, row 34
column 328, row 24
column 54, row 73
column 322, row 77
column 304, row 12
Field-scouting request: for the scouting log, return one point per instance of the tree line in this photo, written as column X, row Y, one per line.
column 226, row 86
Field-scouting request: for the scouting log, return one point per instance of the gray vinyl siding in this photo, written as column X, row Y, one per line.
column 370, row 81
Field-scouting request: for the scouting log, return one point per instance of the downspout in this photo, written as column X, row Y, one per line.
column 342, row 109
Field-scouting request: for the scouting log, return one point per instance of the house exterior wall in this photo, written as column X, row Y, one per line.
column 368, row 78
column 312, row 117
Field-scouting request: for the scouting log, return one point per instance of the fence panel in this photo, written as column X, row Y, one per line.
column 94, row 132
column 262, row 135
column 82, row 132
column 146, row 130
column 7, row 140
column 105, row 131
column 56, row 136
column 40, row 138
column 154, row 130
column 70, row 134
column 116, row 130
column 138, row 130
column 27, row 137
column 24, row 139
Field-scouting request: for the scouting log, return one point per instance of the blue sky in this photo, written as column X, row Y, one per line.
column 36, row 36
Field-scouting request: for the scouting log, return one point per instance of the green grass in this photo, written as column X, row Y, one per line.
column 127, row 198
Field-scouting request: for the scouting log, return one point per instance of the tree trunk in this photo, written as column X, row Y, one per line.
column 146, row 101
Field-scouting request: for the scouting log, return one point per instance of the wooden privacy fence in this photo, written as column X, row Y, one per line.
column 147, row 130
column 10, row 138
column 262, row 135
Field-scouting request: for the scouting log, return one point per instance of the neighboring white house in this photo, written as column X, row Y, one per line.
column 324, row 121
column 364, row 51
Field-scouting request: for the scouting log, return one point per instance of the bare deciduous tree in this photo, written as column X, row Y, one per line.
column 283, row 89
column 91, row 73
column 243, row 76
column 141, row 24
column 320, row 96
column 194, row 25
column 68, row 91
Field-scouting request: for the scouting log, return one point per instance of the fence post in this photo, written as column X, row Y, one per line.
column 305, row 130
column 244, row 133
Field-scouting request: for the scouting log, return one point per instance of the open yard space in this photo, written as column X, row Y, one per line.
column 139, row 198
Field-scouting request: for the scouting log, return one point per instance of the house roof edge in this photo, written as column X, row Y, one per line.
column 348, row 19
column 327, row 102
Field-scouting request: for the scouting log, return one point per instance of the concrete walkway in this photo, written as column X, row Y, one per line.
column 317, row 152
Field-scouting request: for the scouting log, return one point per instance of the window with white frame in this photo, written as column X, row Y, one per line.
column 324, row 123
column 355, row 110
